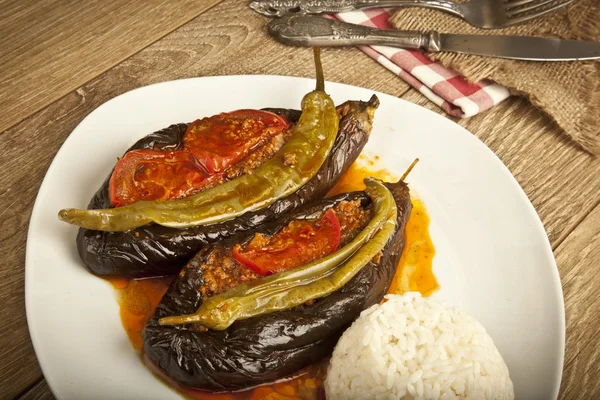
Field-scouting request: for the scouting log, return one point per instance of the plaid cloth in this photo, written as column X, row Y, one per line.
column 446, row 88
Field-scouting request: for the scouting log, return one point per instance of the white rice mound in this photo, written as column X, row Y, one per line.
column 415, row 348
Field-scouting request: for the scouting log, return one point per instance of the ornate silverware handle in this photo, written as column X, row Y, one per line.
column 278, row 8
column 306, row 30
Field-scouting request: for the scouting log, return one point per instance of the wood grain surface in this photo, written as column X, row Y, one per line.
column 562, row 181
column 50, row 47
column 578, row 258
column 39, row 391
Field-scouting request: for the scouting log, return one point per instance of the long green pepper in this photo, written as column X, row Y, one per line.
column 310, row 144
column 291, row 288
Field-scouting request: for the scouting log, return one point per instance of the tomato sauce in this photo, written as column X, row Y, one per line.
column 139, row 297
column 415, row 270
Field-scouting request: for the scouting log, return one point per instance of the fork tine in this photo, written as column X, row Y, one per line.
column 515, row 11
column 514, row 15
column 516, row 3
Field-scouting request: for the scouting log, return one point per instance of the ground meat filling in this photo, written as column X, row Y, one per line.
column 258, row 156
column 353, row 219
column 221, row 271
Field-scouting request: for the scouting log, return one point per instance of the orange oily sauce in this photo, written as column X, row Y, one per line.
column 139, row 297
column 415, row 269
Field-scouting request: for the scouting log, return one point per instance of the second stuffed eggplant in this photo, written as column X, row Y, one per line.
column 270, row 346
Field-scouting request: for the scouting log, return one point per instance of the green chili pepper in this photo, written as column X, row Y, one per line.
column 308, row 147
column 383, row 203
column 291, row 288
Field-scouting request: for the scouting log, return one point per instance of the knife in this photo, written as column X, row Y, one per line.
column 313, row 31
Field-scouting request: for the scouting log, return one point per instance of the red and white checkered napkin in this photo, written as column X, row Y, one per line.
column 446, row 88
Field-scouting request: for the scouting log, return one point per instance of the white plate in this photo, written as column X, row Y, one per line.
column 493, row 256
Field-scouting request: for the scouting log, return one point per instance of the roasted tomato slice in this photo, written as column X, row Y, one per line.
column 220, row 141
column 155, row 175
column 300, row 242
column 210, row 146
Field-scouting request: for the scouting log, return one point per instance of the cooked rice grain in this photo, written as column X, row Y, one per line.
column 415, row 348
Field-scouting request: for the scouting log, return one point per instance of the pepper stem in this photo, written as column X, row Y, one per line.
column 319, row 68
column 410, row 168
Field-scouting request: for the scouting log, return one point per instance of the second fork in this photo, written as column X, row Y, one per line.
column 487, row 14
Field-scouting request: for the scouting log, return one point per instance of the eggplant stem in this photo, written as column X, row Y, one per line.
column 410, row 168
column 319, row 69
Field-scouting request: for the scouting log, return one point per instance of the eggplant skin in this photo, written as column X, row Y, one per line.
column 266, row 348
column 154, row 250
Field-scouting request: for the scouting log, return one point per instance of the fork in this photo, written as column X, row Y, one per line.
column 487, row 14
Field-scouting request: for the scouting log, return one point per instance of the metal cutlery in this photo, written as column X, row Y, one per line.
column 488, row 14
column 307, row 30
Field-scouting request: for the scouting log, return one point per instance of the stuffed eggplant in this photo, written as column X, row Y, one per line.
column 158, row 250
column 256, row 348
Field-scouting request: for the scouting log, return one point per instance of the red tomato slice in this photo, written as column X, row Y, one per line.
column 154, row 175
column 220, row 141
column 300, row 242
column 211, row 145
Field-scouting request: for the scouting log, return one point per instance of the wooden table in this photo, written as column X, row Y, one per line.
column 60, row 59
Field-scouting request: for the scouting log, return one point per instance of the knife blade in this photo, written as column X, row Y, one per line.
column 313, row 31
